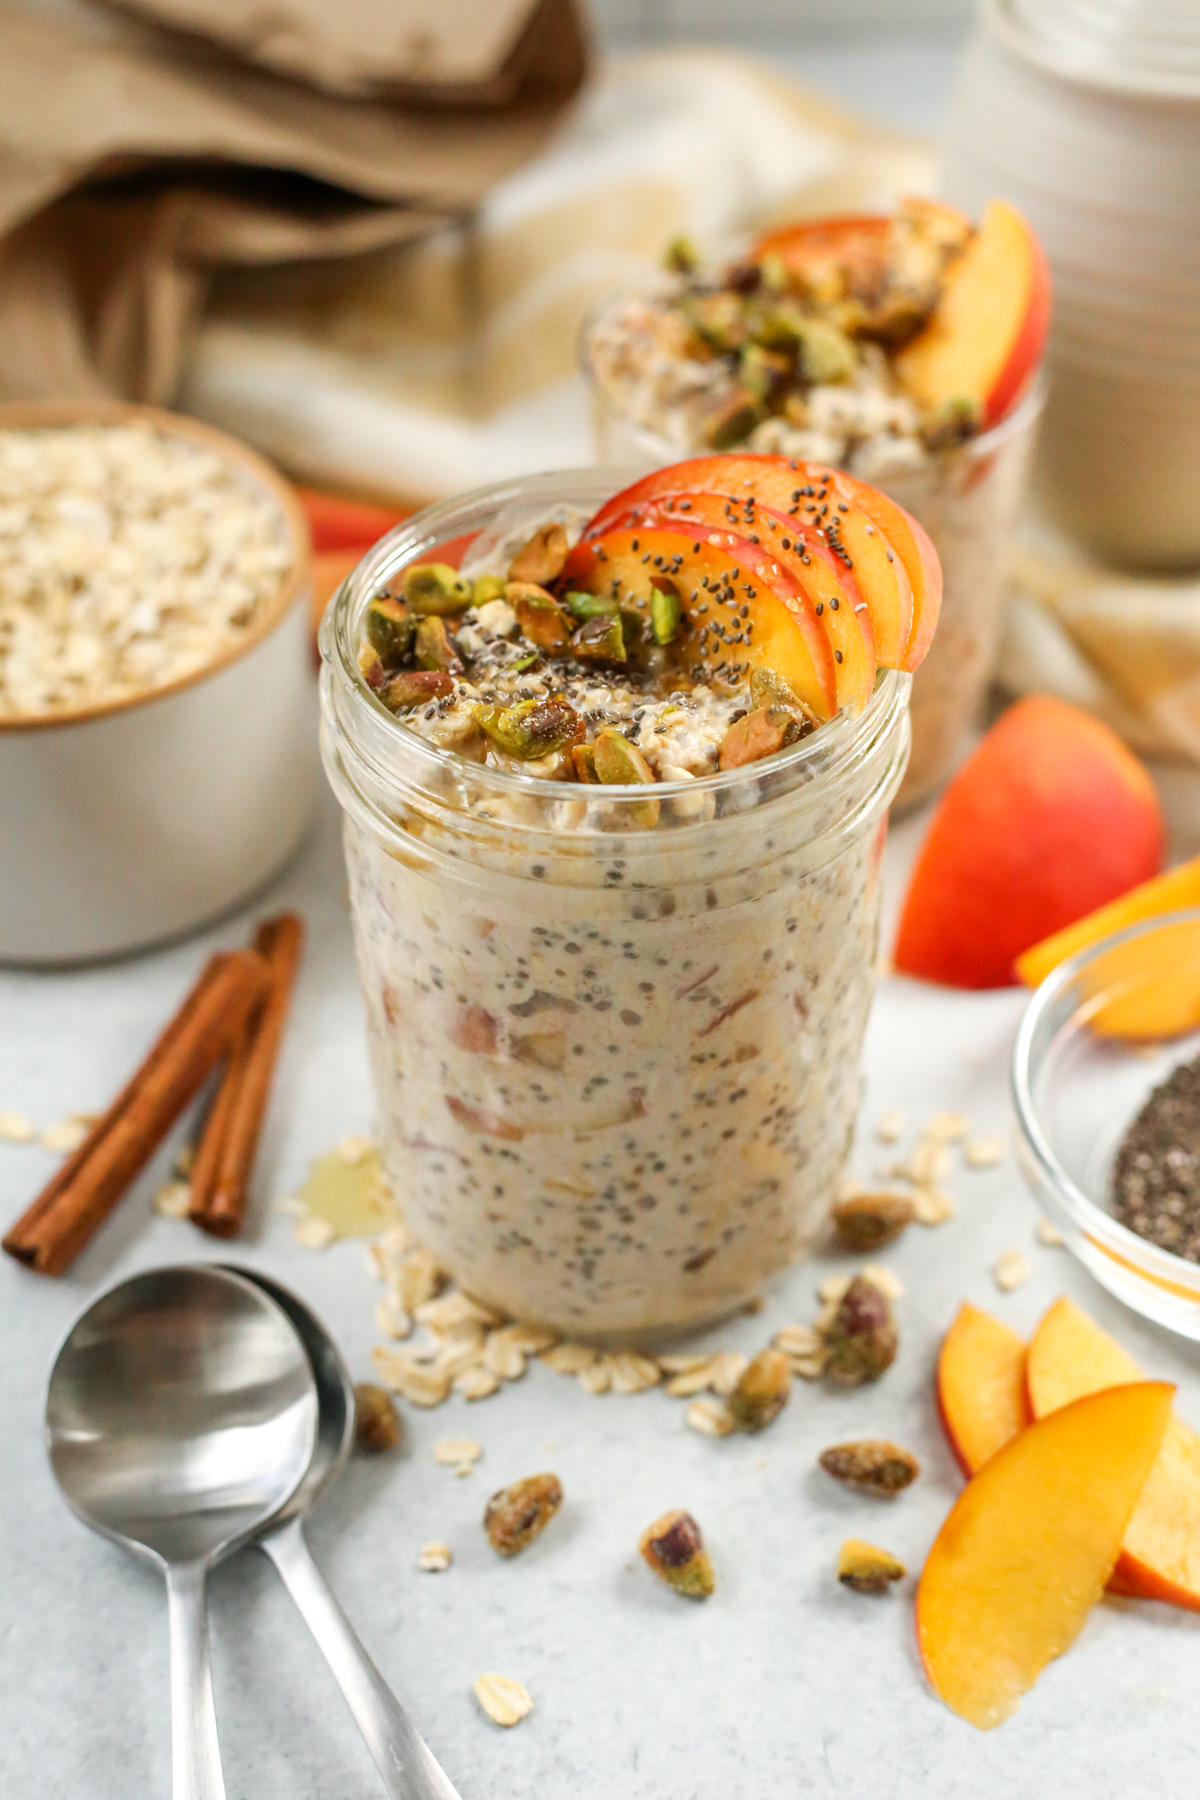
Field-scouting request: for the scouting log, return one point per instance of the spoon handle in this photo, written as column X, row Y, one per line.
column 408, row 1767
column 195, row 1753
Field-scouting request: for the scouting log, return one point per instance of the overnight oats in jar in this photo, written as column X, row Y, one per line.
column 615, row 771
column 904, row 349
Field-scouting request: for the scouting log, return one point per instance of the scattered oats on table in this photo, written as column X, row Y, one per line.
column 947, row 1127
column 504, row 1700
column 1049, row 1235
column 435, row 1558
column 711, row 1418
column 933, row 1206
column 1010, row 1271
column 890, row 1125
column 984, row 1152
column 454, row 1452
column 67, row 1134
column 173, row 1200
column 929, row 1162
column 15, row 1128
column 312, row 1233
column 414, row 1382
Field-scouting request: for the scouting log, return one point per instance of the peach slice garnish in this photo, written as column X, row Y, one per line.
column 986, row 336
column 716, row 574
column 1070, row 1355
column 981, row 1388
column 1029, row 1544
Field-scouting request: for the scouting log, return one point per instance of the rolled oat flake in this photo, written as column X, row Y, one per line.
column 1156, row 1174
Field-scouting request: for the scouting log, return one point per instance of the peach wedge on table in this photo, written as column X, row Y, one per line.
column 1026, row 1550
column 981, row 1387
column 1070, row 1355
column 868, row 536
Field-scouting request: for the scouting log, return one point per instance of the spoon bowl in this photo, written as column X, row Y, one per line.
column 180, row 1418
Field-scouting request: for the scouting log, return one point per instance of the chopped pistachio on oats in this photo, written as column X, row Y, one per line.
column 519, row 1513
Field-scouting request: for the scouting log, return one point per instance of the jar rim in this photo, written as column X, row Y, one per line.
column 835, row 741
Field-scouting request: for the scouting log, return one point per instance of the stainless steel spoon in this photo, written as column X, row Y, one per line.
column 181, row 1415
column 408, row 1767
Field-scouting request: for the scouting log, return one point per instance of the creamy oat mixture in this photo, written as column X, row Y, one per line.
column 765, row 356
column 129, row 558
column 615, row 1044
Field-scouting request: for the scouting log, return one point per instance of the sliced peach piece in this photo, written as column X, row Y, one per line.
column 1070, row 1355
column 1028, row 1546
column 901, row 588
column 716, row 573
column 1159, row 974
column 981, row 1386
column 985, row 338
column 851, row 241
column 806, row 557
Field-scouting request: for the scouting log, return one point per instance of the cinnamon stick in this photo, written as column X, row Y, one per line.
column 224, row 1162
column 52, row 1232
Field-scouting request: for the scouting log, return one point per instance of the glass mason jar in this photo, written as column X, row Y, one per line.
column 967, row 499
column 615, row 1033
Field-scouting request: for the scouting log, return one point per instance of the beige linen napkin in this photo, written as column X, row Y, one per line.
column 1125, row 647
column 136, row 161
column 425, row 368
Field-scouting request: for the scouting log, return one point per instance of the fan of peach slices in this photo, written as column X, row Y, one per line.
column 777, row 564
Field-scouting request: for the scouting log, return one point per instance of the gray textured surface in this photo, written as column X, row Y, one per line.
column 783, row 1684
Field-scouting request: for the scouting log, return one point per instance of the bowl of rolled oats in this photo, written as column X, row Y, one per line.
column 157, row 706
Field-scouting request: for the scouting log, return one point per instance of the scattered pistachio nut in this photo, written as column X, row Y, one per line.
column 377, row 1424
column 732, row 419
column 866, row 1568
column 435, row 588
column 861, row 1337
column 867, row 1222
column 504, row 1700
column 583, row 762
column 435, row 1558
column 674, row 1548
column 543, row 558
column 762, row 1392
column 871, row 1466
column 519, row 1513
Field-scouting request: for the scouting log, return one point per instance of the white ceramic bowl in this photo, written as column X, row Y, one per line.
column 1087, row 117
column 132, row 823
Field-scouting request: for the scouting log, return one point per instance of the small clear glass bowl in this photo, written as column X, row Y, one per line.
column 1101, row 1031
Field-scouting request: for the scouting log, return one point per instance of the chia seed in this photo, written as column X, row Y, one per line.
column 1156, row 1175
